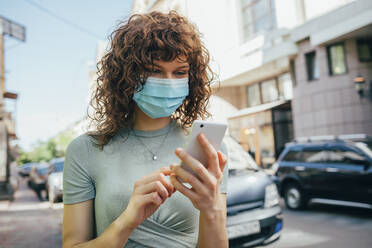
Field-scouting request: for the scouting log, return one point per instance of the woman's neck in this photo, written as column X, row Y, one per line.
column 144, row 122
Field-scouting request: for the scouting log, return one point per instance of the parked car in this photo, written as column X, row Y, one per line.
column 332, row 168
column 37, row 178
column 54, row 185
column 254, row 216
column 24, row 169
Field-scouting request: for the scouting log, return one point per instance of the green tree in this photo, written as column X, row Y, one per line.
column 45, row 151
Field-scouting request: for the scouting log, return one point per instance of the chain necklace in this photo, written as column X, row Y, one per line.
column 154, row 154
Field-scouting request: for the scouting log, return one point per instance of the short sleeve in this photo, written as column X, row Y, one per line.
column 223, row 185
column 77, row 182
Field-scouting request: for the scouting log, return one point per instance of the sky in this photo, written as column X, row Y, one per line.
column 49, row 71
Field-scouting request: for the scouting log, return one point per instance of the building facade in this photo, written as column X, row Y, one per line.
column 329, row 60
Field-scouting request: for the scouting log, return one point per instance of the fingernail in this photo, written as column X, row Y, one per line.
column 179, row 151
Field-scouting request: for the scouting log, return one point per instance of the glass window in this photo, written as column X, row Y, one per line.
column 364, row 50
column 336, row 59
column 285, row 86
column 245, row 3
column 247, row 17
column 58, row 167
column 260, row 8
column 257, row 16
column 293, row 72
column 314, row 156
column 263, row 24
column 269, row 91
column 312, row 66
column 254, row 95
column 346, row 157
column 292, row 156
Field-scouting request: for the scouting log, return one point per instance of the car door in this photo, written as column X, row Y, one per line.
column 364, row 181
column 345, row 168
column 313, row 158
column 290, row 164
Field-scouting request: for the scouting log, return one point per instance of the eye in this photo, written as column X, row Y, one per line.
column 181, row 73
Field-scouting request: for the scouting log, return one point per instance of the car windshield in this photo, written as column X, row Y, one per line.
column 239, row 159
column 42, row 169
column 58, row 167
column 364, row 147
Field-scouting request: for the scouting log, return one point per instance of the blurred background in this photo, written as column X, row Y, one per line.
column 293, row 73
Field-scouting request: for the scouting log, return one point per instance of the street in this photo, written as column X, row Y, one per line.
column 326, row 226
column 27, row 222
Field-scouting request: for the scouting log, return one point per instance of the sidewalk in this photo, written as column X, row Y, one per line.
column 28, row 222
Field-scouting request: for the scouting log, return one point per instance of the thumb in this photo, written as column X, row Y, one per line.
column 222, row 160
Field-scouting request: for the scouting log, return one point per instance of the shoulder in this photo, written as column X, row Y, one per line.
column 81, row 143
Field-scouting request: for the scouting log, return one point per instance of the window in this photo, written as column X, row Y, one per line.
column 269, row 91
column 293, row 72
column 312, row 66
column 254, row 95
column 58, row 167
column 292, row 156
column 364, row 50
column 340, row 156
column 285, row 86
column 314, row 156
column 257, row 16
column 336, row 59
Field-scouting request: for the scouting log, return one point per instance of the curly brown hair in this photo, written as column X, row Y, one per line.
column 123, row 70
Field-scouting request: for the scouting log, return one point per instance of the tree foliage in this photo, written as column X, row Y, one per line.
column 44, row 151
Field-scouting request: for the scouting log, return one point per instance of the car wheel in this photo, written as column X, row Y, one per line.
column 47, row 193
column 294, row 196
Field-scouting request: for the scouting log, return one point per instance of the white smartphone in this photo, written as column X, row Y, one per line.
column 214, row 131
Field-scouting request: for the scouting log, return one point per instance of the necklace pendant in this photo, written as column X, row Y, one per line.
column 154, row 157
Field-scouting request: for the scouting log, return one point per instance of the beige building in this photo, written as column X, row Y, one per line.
column 258, row 49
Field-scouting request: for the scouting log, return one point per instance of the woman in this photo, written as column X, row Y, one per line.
column 120, row 182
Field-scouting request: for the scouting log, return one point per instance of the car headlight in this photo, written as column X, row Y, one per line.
column 271, row 196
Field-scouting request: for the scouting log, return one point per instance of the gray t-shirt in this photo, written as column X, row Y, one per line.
column 108, row 177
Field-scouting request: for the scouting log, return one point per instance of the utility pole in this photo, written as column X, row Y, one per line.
column 2, row 63
column 14, row 30
column 7, row 123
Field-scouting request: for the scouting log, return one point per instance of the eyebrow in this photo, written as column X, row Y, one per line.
column 180, row 67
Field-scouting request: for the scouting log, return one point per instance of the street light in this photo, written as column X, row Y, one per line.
column 360, row 83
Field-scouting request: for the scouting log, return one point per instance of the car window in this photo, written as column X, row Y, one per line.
column 365, row 148
column 343, row 156
column 43, row 171
column 314, row 155
column 239, row 159
column 58, row 167
column 292, row 156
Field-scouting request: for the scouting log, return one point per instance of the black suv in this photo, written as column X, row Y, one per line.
column 327, row 168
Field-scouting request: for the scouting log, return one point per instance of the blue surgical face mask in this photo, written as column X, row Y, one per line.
column 160, row 97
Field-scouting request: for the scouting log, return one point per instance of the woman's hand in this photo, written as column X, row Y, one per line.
column 204, row 194
column 148, row 194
